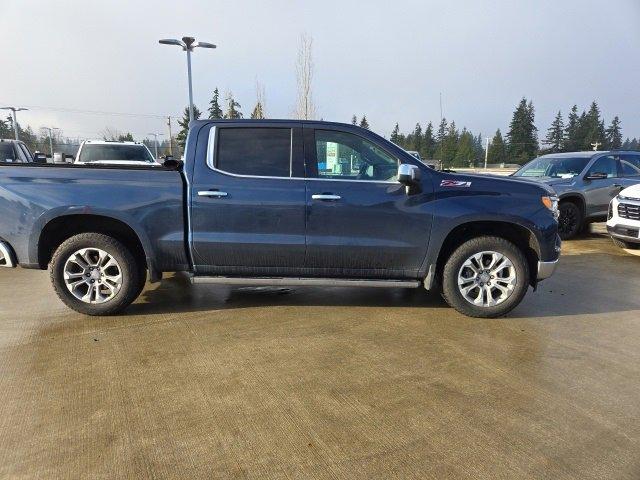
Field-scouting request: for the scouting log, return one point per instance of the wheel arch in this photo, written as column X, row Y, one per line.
column 576, row 198
column 518, row 234
column 57, row 229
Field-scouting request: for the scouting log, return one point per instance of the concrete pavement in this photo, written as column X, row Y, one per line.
column 213, row 382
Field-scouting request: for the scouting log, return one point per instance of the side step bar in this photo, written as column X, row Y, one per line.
column 7, row 259
column 309, row 282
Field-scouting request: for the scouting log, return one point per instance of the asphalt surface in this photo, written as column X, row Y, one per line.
column 217, row 382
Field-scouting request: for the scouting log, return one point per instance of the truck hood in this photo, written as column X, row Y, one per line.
column 499, row 182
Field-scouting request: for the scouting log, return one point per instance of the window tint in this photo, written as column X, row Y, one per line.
column 7, row 154
column 606, row 165
column 343, row 155
column 262, row 152
column 630, row 165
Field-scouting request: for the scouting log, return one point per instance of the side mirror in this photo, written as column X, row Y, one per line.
column 596, row 176
column 408, row 174
column 39, row 157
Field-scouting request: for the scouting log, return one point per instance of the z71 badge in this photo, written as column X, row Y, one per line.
column 454, row 183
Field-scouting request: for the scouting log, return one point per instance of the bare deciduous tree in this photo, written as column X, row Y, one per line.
column 260, row 110
column 305, row 107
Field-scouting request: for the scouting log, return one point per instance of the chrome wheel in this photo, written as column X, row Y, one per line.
column 92, row 275
column 487, row 279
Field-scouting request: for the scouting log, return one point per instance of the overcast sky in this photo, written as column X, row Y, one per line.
column 387, row 59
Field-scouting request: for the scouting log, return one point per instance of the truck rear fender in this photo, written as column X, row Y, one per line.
column 55, row 227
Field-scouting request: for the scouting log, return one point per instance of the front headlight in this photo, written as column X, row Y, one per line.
column 552, row 204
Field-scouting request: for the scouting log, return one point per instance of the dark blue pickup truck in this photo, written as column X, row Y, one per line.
column 279, row 203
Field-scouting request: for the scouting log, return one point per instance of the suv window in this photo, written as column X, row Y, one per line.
column 264, row 152
column 630, row 165
column 7, row 153
column 341, row 155
column 607, row 164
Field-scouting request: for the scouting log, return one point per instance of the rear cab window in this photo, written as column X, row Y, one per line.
column 256, row 152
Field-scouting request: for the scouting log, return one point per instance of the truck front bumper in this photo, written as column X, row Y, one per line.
column 7, row 258
column 546, row 269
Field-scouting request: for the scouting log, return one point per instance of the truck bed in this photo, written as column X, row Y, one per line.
column 150, row 200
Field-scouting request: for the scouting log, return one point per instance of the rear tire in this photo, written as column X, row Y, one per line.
column 474, row 277
column 95, row 274
column 570, row 222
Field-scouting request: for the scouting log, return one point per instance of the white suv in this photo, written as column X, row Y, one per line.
column 623, row 220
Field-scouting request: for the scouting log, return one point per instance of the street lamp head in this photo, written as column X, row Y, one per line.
column 188, row 41
column 204, row 45
column 172, row 41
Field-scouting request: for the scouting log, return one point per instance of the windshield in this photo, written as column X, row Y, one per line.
column 556, row 167
column 115, row 153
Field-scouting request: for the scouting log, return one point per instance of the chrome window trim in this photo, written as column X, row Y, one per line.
column 211, row 148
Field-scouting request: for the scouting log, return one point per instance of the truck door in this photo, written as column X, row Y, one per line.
column 247, row 206
column 600, row 191
column 361, row 222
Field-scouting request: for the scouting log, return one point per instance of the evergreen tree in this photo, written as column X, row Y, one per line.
column 571, row 132
column 395, row 134
column 417, row 138
column 593, row 128
column 233, row 108
column 498, row 149
column 523, row 137
column 428, row 142
column 465, row 154
column 446, row 152
column 354, row 120
column 215, row 112
column 614, row 134
column 181, row 138
column 364, row 123
column 127, row 137
column 478, row 148
column 555, row 135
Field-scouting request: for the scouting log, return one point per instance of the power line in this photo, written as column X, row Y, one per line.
column 95, row 112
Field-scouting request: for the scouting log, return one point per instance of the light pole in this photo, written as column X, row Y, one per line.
column 188, row 44
column 51, row 129
column 156, row 142
column 15, row 122
column 486, row 154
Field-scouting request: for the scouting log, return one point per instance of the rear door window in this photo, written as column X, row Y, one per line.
column 262, row 152
column 630, row 165
column 607, row 165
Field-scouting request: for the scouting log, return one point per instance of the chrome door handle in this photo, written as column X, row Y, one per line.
column 325, row 196
column 212, row 193
column 617, row 185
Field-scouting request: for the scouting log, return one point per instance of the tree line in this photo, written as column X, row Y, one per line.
column 584, row 131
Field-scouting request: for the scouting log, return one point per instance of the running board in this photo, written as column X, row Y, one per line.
column 308, row 282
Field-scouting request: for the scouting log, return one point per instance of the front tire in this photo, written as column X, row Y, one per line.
column 485, row 277
column 95, row 274
column 570, row 222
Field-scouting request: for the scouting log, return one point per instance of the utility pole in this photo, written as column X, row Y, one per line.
column 51, row 129
column 595, row 145
column 486, row 154
column 156, row 142
column 170, row 136
column 15, row 122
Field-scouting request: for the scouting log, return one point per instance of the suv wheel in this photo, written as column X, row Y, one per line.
column 95, row 274
column 485, row 277
column 570, row 221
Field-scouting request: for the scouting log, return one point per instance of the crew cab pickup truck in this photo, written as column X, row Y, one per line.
column 268, row 202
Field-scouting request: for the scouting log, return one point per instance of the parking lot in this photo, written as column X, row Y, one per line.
column 222, row 382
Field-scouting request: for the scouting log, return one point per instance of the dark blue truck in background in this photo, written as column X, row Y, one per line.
column 277, row 202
